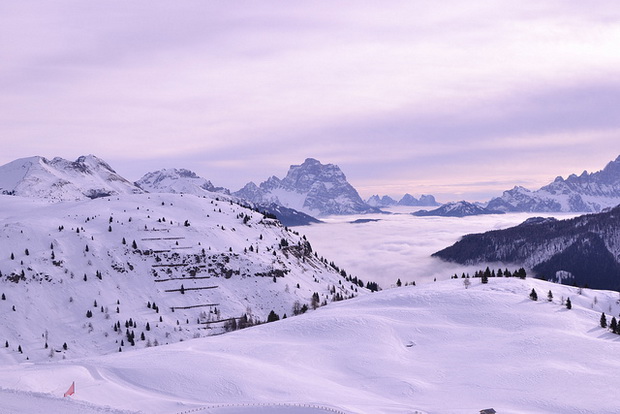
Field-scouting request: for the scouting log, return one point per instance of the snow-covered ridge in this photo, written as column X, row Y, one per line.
column 584, row 193
column 62, row 180
column 457, row 209
column 177, row 181
column 313, row 188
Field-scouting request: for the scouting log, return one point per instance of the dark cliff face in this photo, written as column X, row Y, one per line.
column 587, row 248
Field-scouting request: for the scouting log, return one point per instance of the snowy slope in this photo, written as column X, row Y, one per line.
column 200, row 260
column 59, row 179
column 437, row 348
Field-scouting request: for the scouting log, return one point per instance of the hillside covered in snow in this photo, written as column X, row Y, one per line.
column 436, row 348
column 119, row 273
column 584, row 250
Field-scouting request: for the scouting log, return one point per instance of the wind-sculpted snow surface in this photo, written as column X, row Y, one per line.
column 587, row 248
column 434, row 348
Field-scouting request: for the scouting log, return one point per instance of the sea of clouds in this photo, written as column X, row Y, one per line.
column 399, row 245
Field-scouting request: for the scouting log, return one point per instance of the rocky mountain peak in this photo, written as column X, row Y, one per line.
column 311, row 187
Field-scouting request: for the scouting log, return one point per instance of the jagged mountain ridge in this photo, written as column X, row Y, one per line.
column 425, row 200
column 584, row 193
column 457, row 209
column 313, row 188
column 203, row 261
column 62, row 180
column 584, row 250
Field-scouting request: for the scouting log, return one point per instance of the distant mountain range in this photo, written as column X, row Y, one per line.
column 84, row 252
column 584, row 193
column 313, row 188
column 457, row 209
column 406, row 200
column 583, row 251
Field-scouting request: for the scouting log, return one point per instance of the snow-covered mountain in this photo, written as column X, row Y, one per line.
column 584, row 250
column 178, row 181
column 181, row 181
column 313, row 188
column 61, row 180
column 377, row 201
column 584, row 193
column 457, row 209
column 425, row 200
column 433, row 348
column 176, row 266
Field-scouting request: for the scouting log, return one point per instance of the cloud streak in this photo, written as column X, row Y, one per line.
column 409, row 95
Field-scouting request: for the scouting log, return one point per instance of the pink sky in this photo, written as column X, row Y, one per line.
column 461, row 100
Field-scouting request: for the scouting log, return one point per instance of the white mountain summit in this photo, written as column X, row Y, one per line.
column 177, row 181
column 62, row 180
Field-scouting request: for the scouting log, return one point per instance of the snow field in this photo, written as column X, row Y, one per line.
column 437, row 348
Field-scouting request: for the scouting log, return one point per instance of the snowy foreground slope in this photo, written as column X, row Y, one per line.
column 436, row 348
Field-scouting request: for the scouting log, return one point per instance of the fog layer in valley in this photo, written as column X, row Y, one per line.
column 399, row 245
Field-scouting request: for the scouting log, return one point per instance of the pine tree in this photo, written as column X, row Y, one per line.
column 550, row 296
column 148, row 327
column 3, row 297
column 603, row 320
column 613, row 325
column 399, row 283
column 19, row 349
column 533, row 295
column 134, row 245
column 64, row 346
column 569, row 305
column 273, row 317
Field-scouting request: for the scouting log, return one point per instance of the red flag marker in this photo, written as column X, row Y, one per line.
column 71, row 390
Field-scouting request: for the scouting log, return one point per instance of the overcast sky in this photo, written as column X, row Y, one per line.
column 461, row 99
